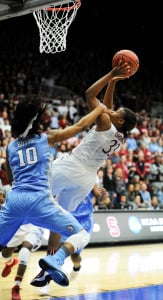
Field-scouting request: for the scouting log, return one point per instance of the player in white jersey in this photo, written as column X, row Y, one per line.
column 30, row 200
column 28, row 237
column 73, row 177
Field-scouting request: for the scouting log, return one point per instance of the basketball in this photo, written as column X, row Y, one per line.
column 127, row 56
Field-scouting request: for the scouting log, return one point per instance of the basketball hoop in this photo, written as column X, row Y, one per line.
column 53, row 23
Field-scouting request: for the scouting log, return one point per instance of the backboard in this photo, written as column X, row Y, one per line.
column 15, row 8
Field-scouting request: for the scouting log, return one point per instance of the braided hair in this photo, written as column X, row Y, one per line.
column 27, row 117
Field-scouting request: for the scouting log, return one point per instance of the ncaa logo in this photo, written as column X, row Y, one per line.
column 134, row 224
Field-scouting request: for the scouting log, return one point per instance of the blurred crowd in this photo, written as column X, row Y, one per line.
column 130, row 179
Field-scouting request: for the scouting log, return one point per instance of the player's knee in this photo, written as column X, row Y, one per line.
column 24, row 255
column 79, row 240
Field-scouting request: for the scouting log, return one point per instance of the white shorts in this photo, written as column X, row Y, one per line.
column 29, row 233
column 71, row 181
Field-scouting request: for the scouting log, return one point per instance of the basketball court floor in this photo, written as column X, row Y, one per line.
column 119, row 272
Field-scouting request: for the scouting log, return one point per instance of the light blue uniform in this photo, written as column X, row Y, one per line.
column 84, row 215
column 30, row 200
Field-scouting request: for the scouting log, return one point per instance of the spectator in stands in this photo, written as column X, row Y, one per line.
column 131, row 142
column 144, row 148
column 123, row 150
column 7, row 135
column 99, row 177
column 137, row 187
column 4, row 113
column 54, row 124
column 143, row 126
column 156, row 172
column 153, row 145
column 108, row 163
column 123, row 166
column 115, row 158
column 160, row 145
column 123, row 203
column 145, row 138
column 158, row 124
column 131, row 166
column 140, row 166
column 109, row 182
column 137, row 204
column 155, row 203
column 71, row 112
column 62, row 150
column 63, row 122
column 160, row 195
column 145, row 194
column 6, row 126
column 152, row 189
column 148, row 161
column 130, row 192
column 100, row 192
column 161, row 154
column 136, row 180
column 120, row 185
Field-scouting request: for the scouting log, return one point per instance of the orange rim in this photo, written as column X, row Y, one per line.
column 64, row 8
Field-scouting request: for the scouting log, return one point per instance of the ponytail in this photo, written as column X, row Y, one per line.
column 130, row 121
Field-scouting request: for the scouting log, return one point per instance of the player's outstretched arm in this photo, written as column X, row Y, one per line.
column 119, row 72
column 109, row 94
column 85, row 122
column 93, row 91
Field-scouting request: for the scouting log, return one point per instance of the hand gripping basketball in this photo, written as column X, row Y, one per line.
column 127, row 56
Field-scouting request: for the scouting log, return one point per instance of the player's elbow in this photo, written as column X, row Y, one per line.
column 89, row 94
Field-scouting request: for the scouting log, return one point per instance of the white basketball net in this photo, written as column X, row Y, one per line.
column 53, row 23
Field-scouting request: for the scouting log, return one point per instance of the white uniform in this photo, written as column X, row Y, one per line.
column 74, row 176
column 29, row 233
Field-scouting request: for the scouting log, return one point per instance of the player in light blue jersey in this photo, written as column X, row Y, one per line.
column 84, row 215
column 30, row 199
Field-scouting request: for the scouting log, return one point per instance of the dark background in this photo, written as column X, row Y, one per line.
column 107, row 26
column 114, row 25
column 100, row 28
